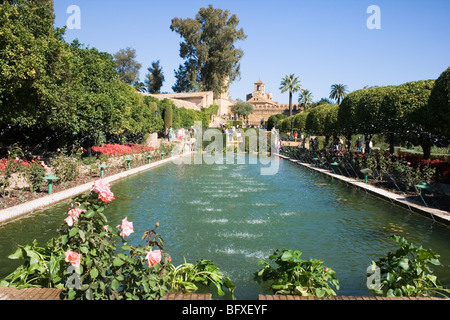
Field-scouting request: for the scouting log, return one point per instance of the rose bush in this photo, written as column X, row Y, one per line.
column 120, row 150
column 103, row 268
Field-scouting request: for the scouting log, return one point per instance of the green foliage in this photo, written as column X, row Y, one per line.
column 300, row 121
column 305, row 98
column 126, row 65
column 155, row 78
column 322, row 120
column 296, row 276
column 66, row 168
column 65, row 92
column 34, row 173
column 407, row 272
column 438, row 110
column 338, row 92
column 209, row 50
column 41, row 267
column 168, row 117
column 292, row 84
column 397, row 171
column 242, row 108
column 106, row 270
column 274, row 120
column 186, row 276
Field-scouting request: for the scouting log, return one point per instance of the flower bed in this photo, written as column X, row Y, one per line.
column 120, row 150
column 21, row 178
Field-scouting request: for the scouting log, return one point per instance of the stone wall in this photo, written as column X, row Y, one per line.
column 264, row 112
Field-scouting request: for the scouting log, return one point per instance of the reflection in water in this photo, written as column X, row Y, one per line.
column 234, row 216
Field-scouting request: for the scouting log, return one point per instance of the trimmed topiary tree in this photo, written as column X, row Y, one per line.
column 438, row 115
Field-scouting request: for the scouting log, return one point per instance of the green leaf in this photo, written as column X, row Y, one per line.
column 89, row 214
column 118, row 262
column 82, row 236
column 73, row 232
column 115, row 284
column 19, row 254
column 102, row 216
column 320, row 292
column 94, row 273
column 404, row 263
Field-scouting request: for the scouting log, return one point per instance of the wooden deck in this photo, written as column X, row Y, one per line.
column 187, row 296
column 54, row 294
column 7, row 293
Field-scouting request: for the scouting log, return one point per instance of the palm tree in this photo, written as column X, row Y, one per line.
column 305, row 98
column 291, row 83
column 338, row 92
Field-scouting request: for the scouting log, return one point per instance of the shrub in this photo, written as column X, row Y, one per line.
column 65, row 168
column 408, row 272
column 297, row 276
column 85, row 259
column 34, row 173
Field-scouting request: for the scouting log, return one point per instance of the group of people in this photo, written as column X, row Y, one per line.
column 183, row 135
column 338, row 144
column 232, row 133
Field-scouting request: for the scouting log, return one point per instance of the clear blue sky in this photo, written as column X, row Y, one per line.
column 323, row 42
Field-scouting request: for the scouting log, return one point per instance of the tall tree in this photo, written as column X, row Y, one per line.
column 305, row 98
column 437, row 113
column 292, row 84
column 338, row 92
column 127, row 66
column 168, row 116
column 155, row 78
column 209, row 50
column 242, row 108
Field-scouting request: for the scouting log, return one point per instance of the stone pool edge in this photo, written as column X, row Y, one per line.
column 23, row 210
column 430, row 213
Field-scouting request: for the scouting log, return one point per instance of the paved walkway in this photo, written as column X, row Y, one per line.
column 434, row 214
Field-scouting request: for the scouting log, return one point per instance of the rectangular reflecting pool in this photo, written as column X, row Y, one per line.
column 233, row 215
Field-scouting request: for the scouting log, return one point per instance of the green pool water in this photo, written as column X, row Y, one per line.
column 235, row 216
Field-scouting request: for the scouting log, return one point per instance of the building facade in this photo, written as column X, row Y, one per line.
column 263, row 103
column 264, row 106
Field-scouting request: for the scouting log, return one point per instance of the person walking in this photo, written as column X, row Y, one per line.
column 359, row 143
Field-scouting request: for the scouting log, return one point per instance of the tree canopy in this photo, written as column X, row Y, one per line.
column 242, row 108
column 209, row 50
column 155, row 78
column 338, row 92
column 127, row 66
column 54, row 94
column 292, row 84
column 438, row 115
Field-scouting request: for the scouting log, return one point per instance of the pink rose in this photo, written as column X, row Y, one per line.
column 73, row 257
column 74, row 214
column 326, row 269
column 69, row 220
column 127, row 228
column 105, row 227
column 153, row 257
column 103, row 190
